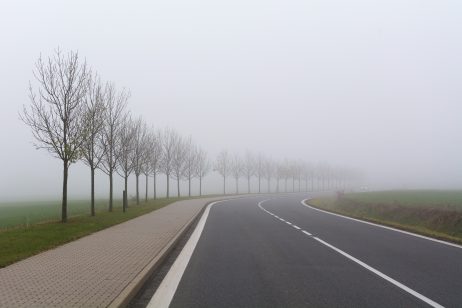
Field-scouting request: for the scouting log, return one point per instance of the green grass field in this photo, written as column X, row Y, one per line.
column 435, row 213
column 29, row 213
column 423, row 198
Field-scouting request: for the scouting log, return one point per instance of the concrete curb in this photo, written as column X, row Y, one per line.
column 130, row 291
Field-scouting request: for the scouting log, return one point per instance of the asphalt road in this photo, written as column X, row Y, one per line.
column 250, row 256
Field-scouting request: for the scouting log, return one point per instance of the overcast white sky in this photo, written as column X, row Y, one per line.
column 370, row 84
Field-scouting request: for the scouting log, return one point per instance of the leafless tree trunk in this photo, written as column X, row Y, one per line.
column 56, row 111
column 147, row 156
column 140, row 142
column 113, row 119
column 249, row 169
column 236, row 167
column 146, row 188
column 92, row 149
column 190, row 163
column 260, row 170
column 179, row 161
column 154, row 185
column 155, row 156
column 125, row 150
column 268, row 171
column 222, row 167
column 202, row 167
column 169, row 140
column 279, row 174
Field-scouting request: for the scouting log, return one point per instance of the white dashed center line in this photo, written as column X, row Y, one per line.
column 357, row 261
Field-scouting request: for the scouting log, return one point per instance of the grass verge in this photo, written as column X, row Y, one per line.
column 438, row 216
column 26, row 240
column 26, row 213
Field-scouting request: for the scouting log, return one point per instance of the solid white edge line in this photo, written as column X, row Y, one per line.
column 373, row 270
column 382, row 226
column 166, row 290
column 382, row 275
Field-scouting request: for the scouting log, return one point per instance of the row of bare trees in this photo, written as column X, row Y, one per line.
column 77, row 117
column 181, row 160
column 302, row 176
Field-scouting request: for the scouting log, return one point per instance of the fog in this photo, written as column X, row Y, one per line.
column 373, row 85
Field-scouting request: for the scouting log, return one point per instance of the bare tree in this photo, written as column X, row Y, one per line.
column 202, row 167
column 309, row 170
column 222, row 167
column 140, row 139
column 169, row 141
column 179, row 161
column 298, row 170
column 322, row 170
column 249, row 168
column 286, row 172
column 146, row 166
column 306, row 174
column 113, row 120
column 279, row 173
column 55, row 114
column 190, row 162
column 268, row 172
column 293, row 173
column 236, row 168
column 259, row 170
column 125, row 150
column 155, row 157
column 92, row 150
column 149, row 145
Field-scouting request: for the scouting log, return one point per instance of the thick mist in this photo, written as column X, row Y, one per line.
column 369, row 85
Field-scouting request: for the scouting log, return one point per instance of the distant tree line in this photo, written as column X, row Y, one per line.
column 77, row 117
column 281, row 175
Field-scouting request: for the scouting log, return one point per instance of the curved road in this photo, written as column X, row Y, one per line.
column 274, row 251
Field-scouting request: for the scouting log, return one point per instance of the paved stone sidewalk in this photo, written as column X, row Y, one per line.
column 96, row 269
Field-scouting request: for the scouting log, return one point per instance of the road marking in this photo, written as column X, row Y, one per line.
column 381, row 226
column 364, row 265
column 382, row 275
column 296, row 227
column 165, row 292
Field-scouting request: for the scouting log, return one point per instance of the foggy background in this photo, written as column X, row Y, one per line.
column 375, row 85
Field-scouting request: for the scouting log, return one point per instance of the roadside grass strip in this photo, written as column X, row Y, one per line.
column 304, row 203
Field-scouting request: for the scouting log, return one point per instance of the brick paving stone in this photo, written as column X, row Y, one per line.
column 94, row 270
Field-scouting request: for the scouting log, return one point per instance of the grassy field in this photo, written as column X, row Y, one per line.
column 451, row 199
column 435, row 213
column 24, row 240
column 28, row 213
